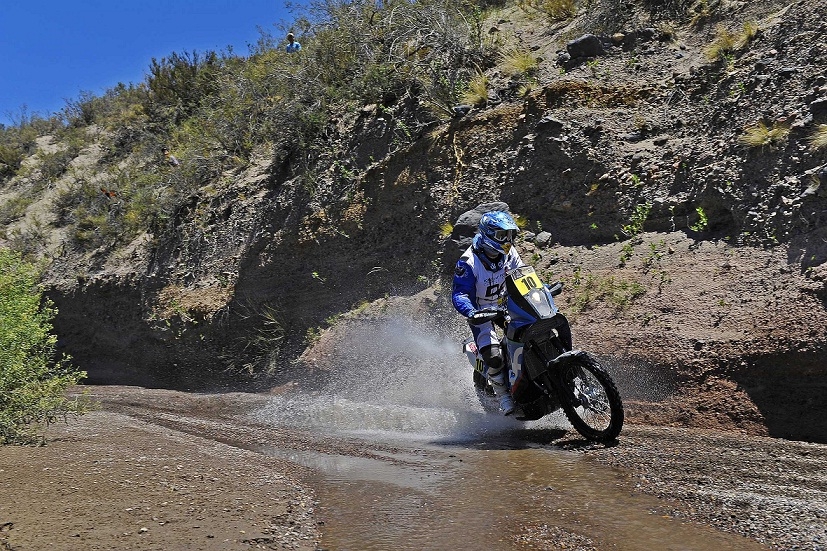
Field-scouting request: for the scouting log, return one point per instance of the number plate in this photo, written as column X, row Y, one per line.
column 526, row 279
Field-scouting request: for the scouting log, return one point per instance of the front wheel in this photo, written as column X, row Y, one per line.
column 593, row 405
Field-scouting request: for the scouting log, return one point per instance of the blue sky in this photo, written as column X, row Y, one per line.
column 52, row 50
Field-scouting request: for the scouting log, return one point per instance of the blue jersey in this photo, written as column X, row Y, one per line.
column 479, row 281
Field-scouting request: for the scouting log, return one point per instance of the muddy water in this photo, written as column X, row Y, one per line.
column 443, row 497
column 446, row 479
column 436, row 471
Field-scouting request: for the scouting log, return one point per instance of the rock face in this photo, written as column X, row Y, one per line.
column 679, row 198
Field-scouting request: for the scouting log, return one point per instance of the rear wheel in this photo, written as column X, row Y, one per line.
column 593, row 405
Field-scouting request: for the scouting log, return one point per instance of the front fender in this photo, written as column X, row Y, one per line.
column 566, row 358
column 556, row 366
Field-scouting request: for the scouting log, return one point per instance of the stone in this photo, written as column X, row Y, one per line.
column 549, row 123
column 466, row 224
column 461, row 110
column 587, row 45
column 819, row 107
column 542, row 239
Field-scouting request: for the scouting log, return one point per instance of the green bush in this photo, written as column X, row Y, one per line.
column 16, row 143
column 32, row 381
column 11, row 157
column 179, row 83
column 13, row 208
column 218, row 110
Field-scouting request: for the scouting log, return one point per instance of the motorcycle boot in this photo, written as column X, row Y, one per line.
column 502, row 393
column 496, row 375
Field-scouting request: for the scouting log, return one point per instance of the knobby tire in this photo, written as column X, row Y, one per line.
column 569, row 375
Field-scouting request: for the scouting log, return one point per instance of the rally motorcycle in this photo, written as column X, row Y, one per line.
column 544, row 373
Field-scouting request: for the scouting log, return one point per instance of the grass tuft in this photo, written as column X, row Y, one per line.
column 723, row 44
column 519, row 62
column 762, row 135
column 819, row 138
column 727, row 42
column 591, row 289
column 477, row 92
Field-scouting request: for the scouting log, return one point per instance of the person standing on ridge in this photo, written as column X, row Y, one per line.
column 292, row 45
column 479, row 279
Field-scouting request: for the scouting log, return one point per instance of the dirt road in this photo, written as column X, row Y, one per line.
column 166, row 470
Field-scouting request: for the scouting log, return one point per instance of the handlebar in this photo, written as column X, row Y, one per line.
column 555, row 289
column 486, row 314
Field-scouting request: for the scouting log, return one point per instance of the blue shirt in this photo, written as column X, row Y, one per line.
column 293, row 47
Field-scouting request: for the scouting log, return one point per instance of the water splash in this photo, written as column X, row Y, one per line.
column 393, row 378
column 639, row 380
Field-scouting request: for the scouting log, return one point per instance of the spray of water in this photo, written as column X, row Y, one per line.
column 393, row 377
column 640, row 380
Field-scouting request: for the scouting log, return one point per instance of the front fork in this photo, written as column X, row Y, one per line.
column 553, row 368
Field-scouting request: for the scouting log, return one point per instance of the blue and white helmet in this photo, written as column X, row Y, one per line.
column 496, row 233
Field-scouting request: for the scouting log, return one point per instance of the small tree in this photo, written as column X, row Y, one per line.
column 32, row 381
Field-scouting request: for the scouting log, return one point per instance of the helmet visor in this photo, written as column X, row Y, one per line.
column 504, row 236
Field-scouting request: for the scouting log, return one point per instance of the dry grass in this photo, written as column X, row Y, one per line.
column 518, row 62
column 819, row 138
column 748, row 34
column 527, row 88
column 521, row 221
column 727, row 42
column 702, row 12
column 477, row 92
column 723, row 44
column 762, row 135
column 555, row 10
column 667, row 32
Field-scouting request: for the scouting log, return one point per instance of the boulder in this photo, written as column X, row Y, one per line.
column 466, row 224
column 587, row 45
column 542, row 239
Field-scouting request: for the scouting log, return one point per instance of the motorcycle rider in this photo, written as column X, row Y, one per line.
column 479, row 279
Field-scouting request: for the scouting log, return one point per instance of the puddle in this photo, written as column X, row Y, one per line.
column 459, row 498
column 457, row 478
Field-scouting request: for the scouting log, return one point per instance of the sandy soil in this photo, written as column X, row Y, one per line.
column 109, row 481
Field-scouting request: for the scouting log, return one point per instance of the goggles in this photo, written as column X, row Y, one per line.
column 502, row 236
